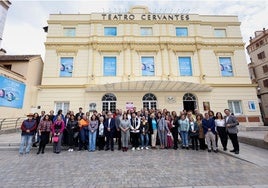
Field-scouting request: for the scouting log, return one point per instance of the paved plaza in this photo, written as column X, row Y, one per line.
column 147, row 168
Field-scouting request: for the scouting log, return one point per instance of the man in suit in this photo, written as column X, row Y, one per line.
column 109, row 130
column 231, row 124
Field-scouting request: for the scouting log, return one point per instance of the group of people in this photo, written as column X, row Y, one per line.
column 143, row 129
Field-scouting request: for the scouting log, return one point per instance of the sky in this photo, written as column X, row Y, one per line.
column 23, row 33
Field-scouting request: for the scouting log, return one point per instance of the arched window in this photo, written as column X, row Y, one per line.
column 109, row 102
column 149, row 101
column 189, row 102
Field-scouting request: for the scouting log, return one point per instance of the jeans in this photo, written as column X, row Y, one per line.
column 27, row 141
column 162, row 134
column 184, row 137
column 92, row 140
column 83, row 138
column 146, row 137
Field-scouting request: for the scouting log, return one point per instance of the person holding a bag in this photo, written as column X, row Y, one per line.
column 162, row 130
column 194, row 134
column 57, row 131
column 44, row 131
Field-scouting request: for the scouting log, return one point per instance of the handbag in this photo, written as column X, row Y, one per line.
column 55, row 139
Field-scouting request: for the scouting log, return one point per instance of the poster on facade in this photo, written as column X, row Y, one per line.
column 92, row 107
column 185, row 66
column 226, row 66
column 206, row 106
column 11, row 93
column 109, row 66
column 129, row 105
column 66, row 69
column 147, row 66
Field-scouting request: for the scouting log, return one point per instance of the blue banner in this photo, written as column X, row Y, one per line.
column 109, row 66
column 226, row 66
column 66, row 69
column 185, row 66
column 147, row 66
column 11, row 93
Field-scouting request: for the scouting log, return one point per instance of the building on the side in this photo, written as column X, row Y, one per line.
column 258, row 68
column 20, row 76
column 106, row 61
column 4, row 6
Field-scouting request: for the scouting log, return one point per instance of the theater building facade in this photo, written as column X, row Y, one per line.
column 106, row 61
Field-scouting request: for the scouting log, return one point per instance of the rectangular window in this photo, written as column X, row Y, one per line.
column 109, row 66
column 69, row 32
column 265, row 68
column 219, row 32
column 147, row 66
column 146, row 31
column 110, row 31
column 261, row 55
column 181, row 31
column 265, row 83
column 226, row 66
column 235, row 107
column 66, row 66
column 185, row 66
column 64, row 106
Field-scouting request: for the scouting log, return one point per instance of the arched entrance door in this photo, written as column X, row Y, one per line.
column 109, row 102
column 189, row 102
column 149, row 101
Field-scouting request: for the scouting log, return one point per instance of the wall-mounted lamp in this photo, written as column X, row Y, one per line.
column 128, row 77
column 92, row 77
column 203, row 77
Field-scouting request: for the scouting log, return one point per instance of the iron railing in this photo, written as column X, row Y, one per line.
column 11, row 123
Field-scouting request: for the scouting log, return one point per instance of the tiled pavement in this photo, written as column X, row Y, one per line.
column 150, row 168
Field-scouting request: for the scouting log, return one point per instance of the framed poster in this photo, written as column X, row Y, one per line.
column 66, row 69
column 129, row 105
column 226, row 66
column 206, row 106
column 147, row 66
column 11, row 93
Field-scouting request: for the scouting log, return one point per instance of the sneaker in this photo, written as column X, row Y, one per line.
column 72, row 149
column 146, row 148
column 138, row 148
column 133, row 149
column 142, row 148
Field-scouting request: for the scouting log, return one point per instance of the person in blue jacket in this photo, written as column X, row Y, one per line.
column 209, row 131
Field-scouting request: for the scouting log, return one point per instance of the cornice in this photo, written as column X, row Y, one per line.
column 61, row 86
column 234, row 85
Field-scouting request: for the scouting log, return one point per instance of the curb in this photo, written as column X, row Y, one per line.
column 253, row 142
column 236, row 156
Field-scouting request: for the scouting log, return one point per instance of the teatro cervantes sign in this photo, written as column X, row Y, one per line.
column 156, row 17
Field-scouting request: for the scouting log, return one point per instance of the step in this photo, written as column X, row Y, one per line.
column 253, row 128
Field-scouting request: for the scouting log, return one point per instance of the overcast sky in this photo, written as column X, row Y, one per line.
column 23, row 33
